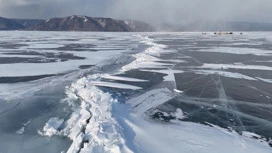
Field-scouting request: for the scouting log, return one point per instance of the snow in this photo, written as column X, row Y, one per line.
column 85, row 19
column 179, row 114
column 91, row 125
column 22, row 56
column 114, row 85
column 99, row 123
column 95, row 79
column 148, row 58
column 231, row 66
column 150, row 99
column 111, row 77
column 240, row 51
column 35, row 45
column 250, row 135
column 265, row 80
column 52, row 127
column 225, row 74
column 178, row 91
column 47, row 20
column 130, row 23
column 156, row 137
column 102, row 22
column 50, row 41
column 20, row 131
column 32, row 69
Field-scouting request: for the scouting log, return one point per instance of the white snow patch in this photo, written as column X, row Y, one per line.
column 228, row 66
column 47, row 20
column 23, row 56
column 178, row 91
column 265, row 80
column 150, row 99
column 52, row 127
column 179, row 114
column 20, row 131
column 148, row 58
column 250, row 134
column 85, row 19
column 102, row 22
column 114, row 85
column 32, row 69
column 91, row 125
column 111, row 77
column 130, row 23
column 241, row 51
column 225, row 74
column 156, row 137
column 170, row 73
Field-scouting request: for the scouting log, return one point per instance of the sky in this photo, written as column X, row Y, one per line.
column 151, row 11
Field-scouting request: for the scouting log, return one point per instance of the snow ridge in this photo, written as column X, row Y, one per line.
column 91, row 127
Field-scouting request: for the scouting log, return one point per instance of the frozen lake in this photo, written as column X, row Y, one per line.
column 135, row 92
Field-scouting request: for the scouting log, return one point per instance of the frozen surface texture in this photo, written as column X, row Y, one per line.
column 138, row 93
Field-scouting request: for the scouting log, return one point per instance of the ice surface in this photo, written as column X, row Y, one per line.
column 225, row 74
column 92, row 125
column 20, row 131
column 32, row 69
column 265, row 80
column 241, row 51
column 100, row 123
column 169, row 73
column 232, row 66
column 115, row 85
column 116, row 127
column 150, row 99
column 50, row 42
column 52, row 126
column 107, row 76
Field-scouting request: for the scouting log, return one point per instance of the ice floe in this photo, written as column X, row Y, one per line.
column 52, row 127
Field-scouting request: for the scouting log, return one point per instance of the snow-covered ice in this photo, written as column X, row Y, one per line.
column 225, row 74
column 100, row 122
column 52, row 127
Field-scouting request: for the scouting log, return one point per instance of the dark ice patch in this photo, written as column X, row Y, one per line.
column 22, row 78
column 85, row 66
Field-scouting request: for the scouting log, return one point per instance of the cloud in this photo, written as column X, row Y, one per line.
column 152, row 11
column 191, row 10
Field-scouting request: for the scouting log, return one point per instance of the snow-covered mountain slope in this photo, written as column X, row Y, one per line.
column 85, row 23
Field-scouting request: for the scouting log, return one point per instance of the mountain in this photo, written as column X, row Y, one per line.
column 8, row 24
column 17, row 24
column 75, row 23
column 28, row 22
column 84, row 23
column 217, row 26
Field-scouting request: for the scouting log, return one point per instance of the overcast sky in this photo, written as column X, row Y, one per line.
column 152, row 11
